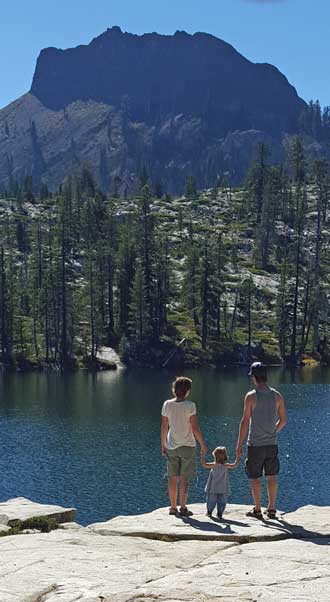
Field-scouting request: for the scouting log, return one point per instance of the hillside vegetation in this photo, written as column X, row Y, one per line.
column 239, row 273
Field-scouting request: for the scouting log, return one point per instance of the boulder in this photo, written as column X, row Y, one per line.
column 21, row 509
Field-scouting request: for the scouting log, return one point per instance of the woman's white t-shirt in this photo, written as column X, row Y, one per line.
column 180, row 431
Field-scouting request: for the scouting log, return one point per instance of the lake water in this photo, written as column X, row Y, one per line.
column 93, row 441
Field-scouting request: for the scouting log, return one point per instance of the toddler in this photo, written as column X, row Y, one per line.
column 218, row 487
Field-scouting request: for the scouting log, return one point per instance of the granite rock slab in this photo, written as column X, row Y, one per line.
column 65, row 566
column 21, row 509
column 81, row 563
column 308, row 522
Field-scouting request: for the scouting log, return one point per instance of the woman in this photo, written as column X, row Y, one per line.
column 178, row 432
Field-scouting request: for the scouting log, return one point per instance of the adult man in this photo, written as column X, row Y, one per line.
column 263, row 417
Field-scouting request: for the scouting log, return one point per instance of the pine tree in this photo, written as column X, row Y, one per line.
column 282, row 309
column 299, row 226
column 297, row 162
column 266, row 229
column 139, row 315
column 205, row 295
column 256, row 182
column 191, row 276
column 191, row 190
column 126, row 259
column 5, row 345
column 247, row 292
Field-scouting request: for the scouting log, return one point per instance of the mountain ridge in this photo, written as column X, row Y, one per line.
column 178, row 105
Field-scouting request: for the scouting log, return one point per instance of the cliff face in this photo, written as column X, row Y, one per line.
column 157, row 76
column 174, row 104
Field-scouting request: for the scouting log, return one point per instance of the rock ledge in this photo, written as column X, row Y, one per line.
column 201, row 561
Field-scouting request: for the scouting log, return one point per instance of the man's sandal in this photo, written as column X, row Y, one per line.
column 173, row 511
column 255, row 513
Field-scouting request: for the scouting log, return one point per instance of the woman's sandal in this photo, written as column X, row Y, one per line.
column 270, row 514
column 185, row 512
column 255, row 513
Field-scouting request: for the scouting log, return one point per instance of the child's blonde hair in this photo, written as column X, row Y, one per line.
column 220, row 455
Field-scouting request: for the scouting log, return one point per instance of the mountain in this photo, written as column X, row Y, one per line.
column 177, row 105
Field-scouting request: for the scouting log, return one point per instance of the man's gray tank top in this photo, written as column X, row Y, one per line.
column 263, row 420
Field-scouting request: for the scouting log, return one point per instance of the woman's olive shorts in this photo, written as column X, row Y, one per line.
column 181, row 462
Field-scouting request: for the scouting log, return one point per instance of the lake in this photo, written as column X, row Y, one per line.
column 92, row 441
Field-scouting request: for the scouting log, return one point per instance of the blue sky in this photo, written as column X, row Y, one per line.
column 291, row 34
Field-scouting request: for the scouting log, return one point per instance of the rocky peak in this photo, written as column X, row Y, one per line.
column 179, row 104
column 197, row 75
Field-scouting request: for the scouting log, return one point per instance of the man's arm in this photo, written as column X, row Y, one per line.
column 281, row 412
column 244, row 424
column 163, row 434
column 197, row 432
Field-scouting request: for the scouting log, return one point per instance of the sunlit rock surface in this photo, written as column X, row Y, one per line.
column 133, row 563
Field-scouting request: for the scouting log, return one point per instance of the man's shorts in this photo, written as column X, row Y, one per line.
column 181, row 462
column 262, row 460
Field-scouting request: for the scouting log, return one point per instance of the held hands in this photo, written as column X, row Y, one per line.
column 237, row 460
column 203, row 451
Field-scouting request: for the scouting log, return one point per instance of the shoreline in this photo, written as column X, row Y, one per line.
column 94, row 368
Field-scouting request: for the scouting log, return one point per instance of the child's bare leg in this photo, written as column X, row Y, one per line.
column 256, row 492
column 184, row 486
column 173, row 490
column 272, row 491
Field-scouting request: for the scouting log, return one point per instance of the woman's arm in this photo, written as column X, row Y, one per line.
column 197, row 432
column 163, row 434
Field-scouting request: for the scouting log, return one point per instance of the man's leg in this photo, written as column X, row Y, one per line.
column 272, row 492
column 254, row 468
column 184, row 487
column 256, row 492
column 173, row 490
column 272, row 467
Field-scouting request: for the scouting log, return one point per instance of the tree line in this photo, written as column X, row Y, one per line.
column 77, row 274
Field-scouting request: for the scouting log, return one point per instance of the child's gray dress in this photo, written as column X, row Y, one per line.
column 217, row 488
column 218, row 481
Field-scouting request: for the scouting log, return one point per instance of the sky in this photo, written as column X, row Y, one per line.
column 293, row 35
